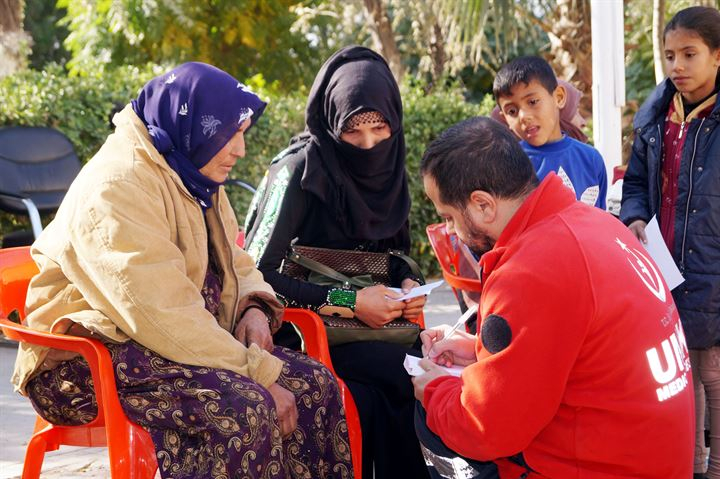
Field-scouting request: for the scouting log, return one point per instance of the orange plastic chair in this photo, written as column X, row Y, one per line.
column 448, row 254
column 131, row 451
column 316, row 346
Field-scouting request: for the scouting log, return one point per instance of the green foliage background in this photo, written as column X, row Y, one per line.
column 240, row 36
column 80, row 107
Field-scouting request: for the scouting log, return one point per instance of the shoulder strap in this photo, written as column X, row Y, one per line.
column 414, row 268
column 322, row 269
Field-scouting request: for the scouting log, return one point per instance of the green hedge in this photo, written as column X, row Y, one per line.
column 77, row 106
column 80, row 108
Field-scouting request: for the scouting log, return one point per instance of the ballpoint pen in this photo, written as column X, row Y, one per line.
column 460, row 322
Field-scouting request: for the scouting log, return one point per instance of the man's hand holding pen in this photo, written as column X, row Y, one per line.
column 444, row 345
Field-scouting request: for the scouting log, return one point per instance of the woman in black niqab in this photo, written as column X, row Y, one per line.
column 357, row 184
column 342, row 184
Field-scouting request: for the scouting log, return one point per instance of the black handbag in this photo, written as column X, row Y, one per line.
column 351, row 270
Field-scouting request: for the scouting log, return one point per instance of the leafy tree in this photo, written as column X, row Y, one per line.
column 41, row 21
column 14, row 41
column 427, row 35
column 241, row 36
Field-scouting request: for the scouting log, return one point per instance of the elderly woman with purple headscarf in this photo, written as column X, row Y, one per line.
column 141, row 255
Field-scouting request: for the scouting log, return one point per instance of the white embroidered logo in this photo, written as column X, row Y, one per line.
column 183, row 109
column 646, row 271
column 566, row 179
column 210, row 125
column 590, row 195
column 170, row 79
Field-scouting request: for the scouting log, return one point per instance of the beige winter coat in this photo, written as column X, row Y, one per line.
column 125, row 258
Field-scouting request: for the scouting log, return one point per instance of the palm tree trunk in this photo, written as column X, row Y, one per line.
column 384, row 36
column 14, row 42
column 571, row 46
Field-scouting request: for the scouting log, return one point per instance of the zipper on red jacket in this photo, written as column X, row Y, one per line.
column 682, row 127
column 689, row 197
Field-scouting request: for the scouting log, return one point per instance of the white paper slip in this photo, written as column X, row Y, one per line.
column 419, row 291
column 658, row 250
column 414, row 369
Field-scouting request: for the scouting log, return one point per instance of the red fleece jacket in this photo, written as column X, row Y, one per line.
column 582, row 364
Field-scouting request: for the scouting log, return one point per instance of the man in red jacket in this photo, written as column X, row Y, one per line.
column 579, row 368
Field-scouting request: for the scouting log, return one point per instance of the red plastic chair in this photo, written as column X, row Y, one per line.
column 240, row 239
column 316, row 346
column 449, row 256
column 131, row 451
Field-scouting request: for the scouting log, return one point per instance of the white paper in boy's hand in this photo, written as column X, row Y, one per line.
column 419, row 291
column 658, row 250
column 414, row 369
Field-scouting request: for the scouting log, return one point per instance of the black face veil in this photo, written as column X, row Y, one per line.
column 366, row 189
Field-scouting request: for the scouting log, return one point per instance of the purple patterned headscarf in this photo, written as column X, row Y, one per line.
column 191, row 113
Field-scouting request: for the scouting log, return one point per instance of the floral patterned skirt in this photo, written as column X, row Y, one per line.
column 211, row 423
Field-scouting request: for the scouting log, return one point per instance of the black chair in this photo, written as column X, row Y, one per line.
column 37, row 166
column 240, row 183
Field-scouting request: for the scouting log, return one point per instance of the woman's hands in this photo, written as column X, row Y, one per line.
column 414, row 306
column 638, row 229
column 254, row 328
column 374, row 307
column 286, row 408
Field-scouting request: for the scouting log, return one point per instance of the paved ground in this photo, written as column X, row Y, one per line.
column 17, row 416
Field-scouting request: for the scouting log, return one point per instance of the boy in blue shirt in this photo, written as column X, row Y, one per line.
column 530, row 99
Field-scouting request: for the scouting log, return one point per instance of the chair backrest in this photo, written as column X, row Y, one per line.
column 37, row 163
column 449, row 255
column 16, row 270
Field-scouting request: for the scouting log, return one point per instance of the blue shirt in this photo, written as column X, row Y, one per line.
column 580, row 166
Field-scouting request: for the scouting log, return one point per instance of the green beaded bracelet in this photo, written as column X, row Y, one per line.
column 341, row 297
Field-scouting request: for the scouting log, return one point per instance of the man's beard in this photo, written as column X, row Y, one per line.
column 478, row 241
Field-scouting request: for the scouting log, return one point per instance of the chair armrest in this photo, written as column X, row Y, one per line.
column 240, row 183
column 94, row 352
column 32, row 210
column 313, row 332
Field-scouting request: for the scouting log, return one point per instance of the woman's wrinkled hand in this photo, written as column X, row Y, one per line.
column 254, row 328
column 286, row 408
column 638, row 229
column 414, row 306
column 375, row 307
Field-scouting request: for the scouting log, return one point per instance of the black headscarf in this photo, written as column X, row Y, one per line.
column 367, row 190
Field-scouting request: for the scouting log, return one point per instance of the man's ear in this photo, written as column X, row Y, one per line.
column 560, row 95
column 484, row 205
